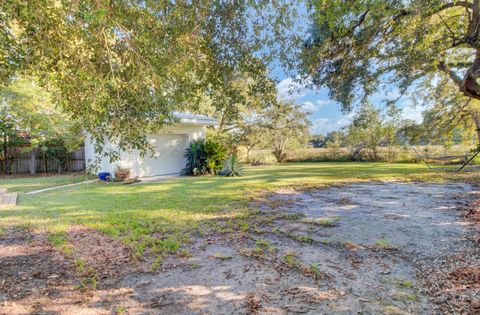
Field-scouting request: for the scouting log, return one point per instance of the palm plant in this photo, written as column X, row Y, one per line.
column 204, row 157
column 194, row 159
column 232, row 166
column 215, row 155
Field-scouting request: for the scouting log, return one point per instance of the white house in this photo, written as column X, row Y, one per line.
column 168, row 154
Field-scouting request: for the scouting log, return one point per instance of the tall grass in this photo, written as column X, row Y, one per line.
column 454, row 154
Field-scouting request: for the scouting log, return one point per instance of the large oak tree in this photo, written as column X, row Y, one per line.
column 123, row 67
column 358, row 47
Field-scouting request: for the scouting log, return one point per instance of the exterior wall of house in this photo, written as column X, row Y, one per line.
column 167, row 158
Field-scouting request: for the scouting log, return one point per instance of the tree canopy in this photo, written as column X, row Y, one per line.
column 33, row 116
column 124, row 67
column 372, row 128
column 284, row 124
column 357, row 47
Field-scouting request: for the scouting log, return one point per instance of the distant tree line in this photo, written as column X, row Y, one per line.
column 373, row 128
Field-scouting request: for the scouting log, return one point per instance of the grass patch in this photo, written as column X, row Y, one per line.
column 407, row 284
column 26, row 184
column 120, row 310
column 221, row 256
column 157, row 263
column 329, row 222
column 313, row 269
column 406, row 296
column 261, row 250
column 325, row 222
column 294, row 236
column 385, row 244
column 169, row 245
column 184, row 253
column 58, row 239
column 291, row 216
column 86, row 275
column 290, row 258
column 178, row 209
column 262, row 243
column 300, row 238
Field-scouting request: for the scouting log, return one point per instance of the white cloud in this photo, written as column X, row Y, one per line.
column 326, row 125
column 289, row 89
column 321, row 103
column 322, row 126
column 309, row 107
column 345, row 120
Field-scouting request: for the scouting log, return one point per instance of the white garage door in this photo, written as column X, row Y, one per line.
column 168, row 157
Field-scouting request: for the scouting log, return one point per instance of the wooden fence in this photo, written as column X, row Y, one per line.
column 21, row 159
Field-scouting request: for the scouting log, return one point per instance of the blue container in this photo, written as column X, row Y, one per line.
column 105, row 176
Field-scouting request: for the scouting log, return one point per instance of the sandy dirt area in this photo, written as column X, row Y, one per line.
column 370, row 248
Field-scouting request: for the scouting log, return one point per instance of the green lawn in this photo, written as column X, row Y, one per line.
column 173, row 209
column 26, row 184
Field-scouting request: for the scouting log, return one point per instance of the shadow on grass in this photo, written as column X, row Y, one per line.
column 136, row 210
column 146, row 213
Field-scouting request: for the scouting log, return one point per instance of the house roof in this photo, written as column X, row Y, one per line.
column 194, row 119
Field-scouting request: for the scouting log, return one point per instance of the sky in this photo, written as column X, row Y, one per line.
column 325, row 114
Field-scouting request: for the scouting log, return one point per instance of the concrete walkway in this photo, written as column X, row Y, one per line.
column 7, row 199
column 141, row 180
column 158, row 178
column 59, row 187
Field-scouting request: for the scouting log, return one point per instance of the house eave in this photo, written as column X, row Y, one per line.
column 201, row 120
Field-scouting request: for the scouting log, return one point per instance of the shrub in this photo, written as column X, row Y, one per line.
column 215, row 155
column 280, row 155
column 262, row 157
column 57, row 150
column 204, row 158
column 233, row 167
column 121, row 174
column 194, row 158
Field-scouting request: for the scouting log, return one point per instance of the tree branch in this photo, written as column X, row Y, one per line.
column 452, row 75
column 453, row 36
column 458, row 64
column 460, row 4
column 360, row 21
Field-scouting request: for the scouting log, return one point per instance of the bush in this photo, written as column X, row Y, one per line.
column 392, row 155
column 262, row 157
column 194, row 156
column 122, row 174
column 233, row 166
column 57, row 150
column 215, row 155
column 204, row 158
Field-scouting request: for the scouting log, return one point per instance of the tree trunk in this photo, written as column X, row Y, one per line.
column 476, row 120
column 278, row 153
column 356, row 154
column 33, row 159
column 374, row 156
column 470, row 85
column 45, row 166
column 467, row 85
column 5, row 154
column 221, row 125
column 248, row 153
